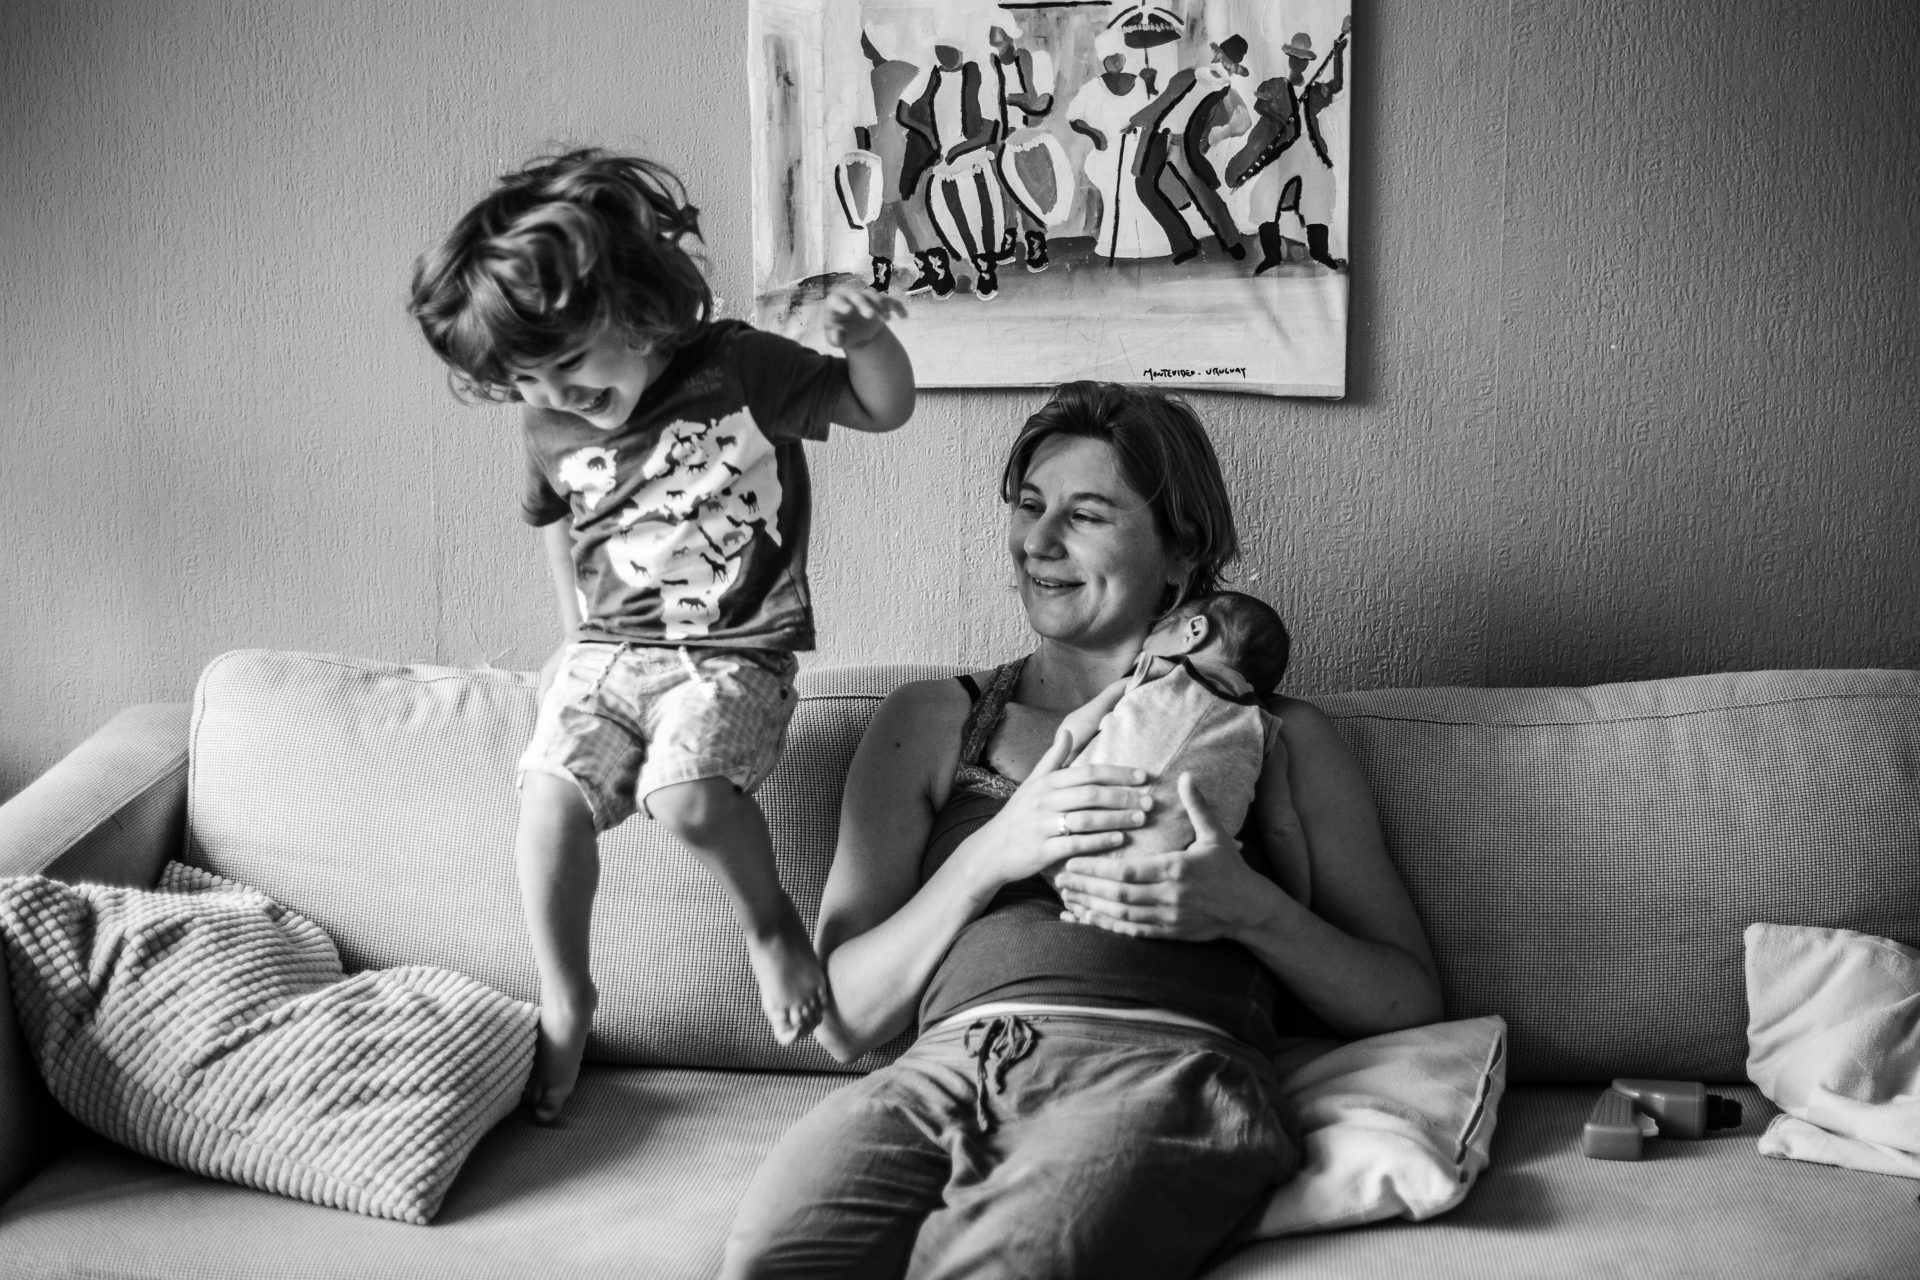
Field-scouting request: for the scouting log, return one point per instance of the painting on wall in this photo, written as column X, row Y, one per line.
column 1060, row 189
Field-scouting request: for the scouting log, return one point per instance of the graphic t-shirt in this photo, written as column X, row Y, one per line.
column 690, row 520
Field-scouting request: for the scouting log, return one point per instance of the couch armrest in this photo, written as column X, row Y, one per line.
column 111, row 811
column 29, row 1117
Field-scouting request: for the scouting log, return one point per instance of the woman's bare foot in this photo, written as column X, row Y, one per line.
column 565, row 1019
column 793, row 987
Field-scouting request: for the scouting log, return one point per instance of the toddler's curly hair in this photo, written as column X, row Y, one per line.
column 556, row 251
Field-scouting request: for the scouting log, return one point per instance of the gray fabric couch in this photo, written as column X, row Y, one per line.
column 1585, row 861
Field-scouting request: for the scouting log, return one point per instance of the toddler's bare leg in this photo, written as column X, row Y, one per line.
column 559, row 861
column 728, row 834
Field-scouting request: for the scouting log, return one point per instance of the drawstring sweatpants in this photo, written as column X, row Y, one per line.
column 1055, row 1145
column 1004, row 1040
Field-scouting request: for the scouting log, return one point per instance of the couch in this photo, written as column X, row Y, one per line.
column 1585, row 861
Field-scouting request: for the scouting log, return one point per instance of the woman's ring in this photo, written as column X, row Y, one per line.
column 1065, row 830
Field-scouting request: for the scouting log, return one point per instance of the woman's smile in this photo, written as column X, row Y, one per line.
column 1091, row 565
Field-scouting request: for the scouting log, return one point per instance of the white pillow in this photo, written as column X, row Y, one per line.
column 1393, row 1126
column 204, row 1025
column 1833, row 1038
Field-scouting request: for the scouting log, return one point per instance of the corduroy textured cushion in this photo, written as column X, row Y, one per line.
column 1586, row 860
column 203, row 1025
column 379, row 801
column 643, row 1178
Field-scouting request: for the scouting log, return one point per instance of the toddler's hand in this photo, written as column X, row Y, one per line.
column 855, row 315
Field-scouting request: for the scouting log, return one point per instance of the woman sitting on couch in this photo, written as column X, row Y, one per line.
column 1083, row 1099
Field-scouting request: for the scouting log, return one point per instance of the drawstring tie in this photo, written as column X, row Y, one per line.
column 1004, row 1040
column 693, row 672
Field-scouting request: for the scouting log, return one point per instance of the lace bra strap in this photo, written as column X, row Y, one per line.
column 989, row 708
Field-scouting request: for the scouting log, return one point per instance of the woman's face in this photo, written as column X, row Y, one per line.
column 1090, row 564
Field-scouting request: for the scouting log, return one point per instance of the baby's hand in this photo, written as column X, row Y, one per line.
column 855, row 315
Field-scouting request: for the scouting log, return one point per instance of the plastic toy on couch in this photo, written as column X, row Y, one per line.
column 1631, row 1111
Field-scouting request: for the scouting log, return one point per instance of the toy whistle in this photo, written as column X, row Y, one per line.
column 1632, row 1111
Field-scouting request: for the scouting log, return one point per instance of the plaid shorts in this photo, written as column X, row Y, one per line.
column 622, row 721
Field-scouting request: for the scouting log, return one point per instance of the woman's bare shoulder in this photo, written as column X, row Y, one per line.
column 1299, row 714
column 925, row 706
column 916, row 731
column 902, row 772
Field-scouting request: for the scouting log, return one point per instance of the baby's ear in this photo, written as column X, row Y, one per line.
column 1196, row 633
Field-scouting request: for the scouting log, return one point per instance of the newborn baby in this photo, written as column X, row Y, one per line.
column 1191, row 704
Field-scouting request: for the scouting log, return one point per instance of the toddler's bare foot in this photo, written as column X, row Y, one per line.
column 793, row 988
column 565, row 1019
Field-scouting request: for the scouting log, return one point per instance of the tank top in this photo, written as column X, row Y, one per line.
column 1020, row 949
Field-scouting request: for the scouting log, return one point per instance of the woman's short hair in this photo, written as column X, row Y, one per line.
column 1163, row 452
column 556, row 251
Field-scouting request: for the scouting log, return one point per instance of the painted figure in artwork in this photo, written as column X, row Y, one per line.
column 1103, row 112
column 1023, row 84
column 1284, row 166
column 900, row 215
column 950, row 161
column 1196, row 109
column 1141, row 28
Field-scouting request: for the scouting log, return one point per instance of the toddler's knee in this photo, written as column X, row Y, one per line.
column 549, row 799
column 698, row 812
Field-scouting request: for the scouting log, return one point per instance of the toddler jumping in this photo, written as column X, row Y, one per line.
column 664, row 463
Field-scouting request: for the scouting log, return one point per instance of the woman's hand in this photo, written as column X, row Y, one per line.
column 1059, row 813
column 1196, row 894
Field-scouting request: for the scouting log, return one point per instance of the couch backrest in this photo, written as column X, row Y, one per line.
column 379, row 801
column 1585, row 860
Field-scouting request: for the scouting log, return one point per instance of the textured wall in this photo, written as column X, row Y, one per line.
column 1632, row 359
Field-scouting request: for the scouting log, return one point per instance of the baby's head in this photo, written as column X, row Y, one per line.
column 570, row 247
column 1233, row 629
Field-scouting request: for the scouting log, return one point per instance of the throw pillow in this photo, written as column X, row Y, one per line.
column 202, row 1024
column 1396, row 1125
column 1833, row 1039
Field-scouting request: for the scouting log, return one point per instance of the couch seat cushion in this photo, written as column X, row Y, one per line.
column 642, row 1180
column 639, row 1180
column 1712, row 1209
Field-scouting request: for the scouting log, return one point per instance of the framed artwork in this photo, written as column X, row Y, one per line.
column 1060, row 189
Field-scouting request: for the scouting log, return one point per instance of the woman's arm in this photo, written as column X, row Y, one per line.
column 882, row 932
column 1359, row 959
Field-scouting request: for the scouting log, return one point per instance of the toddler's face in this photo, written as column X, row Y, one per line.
column 600, row 379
